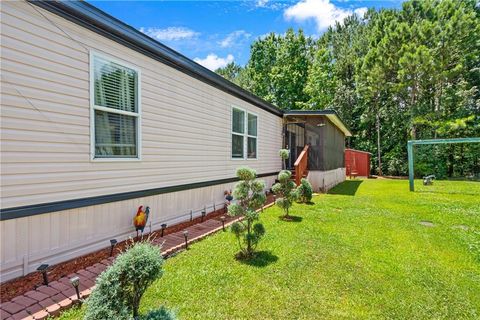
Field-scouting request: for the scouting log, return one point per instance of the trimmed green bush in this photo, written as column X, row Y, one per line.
column 119, row 288
column 249, row 196
column 159, row 314
column 285, row 190
column 304, row 191
column 284, row 154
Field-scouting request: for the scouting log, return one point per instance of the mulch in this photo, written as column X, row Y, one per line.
column 16, row 287
column 31, row 281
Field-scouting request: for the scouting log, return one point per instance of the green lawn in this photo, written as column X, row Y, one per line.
column 359, row 252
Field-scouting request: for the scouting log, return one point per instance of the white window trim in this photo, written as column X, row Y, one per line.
column 94, row 107
column 245, row 134
column 250, row 136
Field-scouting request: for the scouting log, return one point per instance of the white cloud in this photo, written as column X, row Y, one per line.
column 213, row 62
column 323, row 12
column 233, row 38
column 261, row 3
column 170, row 33
column 360, row 11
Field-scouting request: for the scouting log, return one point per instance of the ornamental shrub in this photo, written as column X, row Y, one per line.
column 285, row 191
column 249, row 196
column 304, row 191
column 159, row 314
column 119, row 288
column 284, row 154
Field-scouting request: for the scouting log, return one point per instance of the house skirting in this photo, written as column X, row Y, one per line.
column 325, row 180
column 55, row 237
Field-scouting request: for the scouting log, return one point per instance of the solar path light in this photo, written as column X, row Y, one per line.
column 185, row 235
column 43, row 269
column 113, row 242
column 75, row 281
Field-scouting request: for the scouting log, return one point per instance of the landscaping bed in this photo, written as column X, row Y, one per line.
column 18, row 286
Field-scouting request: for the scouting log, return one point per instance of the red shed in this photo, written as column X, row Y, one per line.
column 357, row 163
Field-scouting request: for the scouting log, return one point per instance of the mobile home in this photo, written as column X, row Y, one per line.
column 97, row 118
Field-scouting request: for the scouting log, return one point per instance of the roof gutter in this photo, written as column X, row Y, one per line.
column 330, row 114
column 94, row 19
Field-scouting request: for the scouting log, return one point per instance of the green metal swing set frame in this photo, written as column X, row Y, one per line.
column 411, row 143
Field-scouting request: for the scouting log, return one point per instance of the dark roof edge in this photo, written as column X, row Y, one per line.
column 311, row 112
column 326, row 112
column 90, row 17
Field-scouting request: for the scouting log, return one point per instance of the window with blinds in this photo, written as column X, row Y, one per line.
column 115, row 109
column 252, row 137
column 244, row 134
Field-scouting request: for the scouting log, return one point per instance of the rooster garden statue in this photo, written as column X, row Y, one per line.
column 141, row 218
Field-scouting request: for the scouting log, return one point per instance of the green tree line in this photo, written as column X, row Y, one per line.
column 392, row 75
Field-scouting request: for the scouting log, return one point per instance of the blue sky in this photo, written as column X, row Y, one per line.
column 214, row 33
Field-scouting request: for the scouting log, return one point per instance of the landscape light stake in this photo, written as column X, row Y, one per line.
column 214, row 209
column 185, row 235
column 75, row 281
column 191, row 215
column 204, row 213
column 266, row 197
column 43, row 270
column 164, row 226
column 222, row 218
column 113, row 242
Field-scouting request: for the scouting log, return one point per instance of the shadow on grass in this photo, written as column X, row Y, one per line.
column 291, row 218
column 260, row 259
column 346, row 188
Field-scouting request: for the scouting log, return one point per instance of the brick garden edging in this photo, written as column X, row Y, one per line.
column 59, row 295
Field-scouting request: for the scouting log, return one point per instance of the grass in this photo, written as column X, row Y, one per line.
column 359, row 252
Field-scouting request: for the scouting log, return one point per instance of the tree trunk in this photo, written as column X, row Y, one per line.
column 378, row 147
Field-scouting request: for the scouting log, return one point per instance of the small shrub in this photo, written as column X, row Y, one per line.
column 159, row 314
column 119, row 289
column 249, row 195
column 285, row 190
column 284, row 154
column 304, row 191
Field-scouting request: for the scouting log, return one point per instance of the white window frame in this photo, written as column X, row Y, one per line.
column 236, row 133
column 250, row 136
column 93, row 107
column 245, row 134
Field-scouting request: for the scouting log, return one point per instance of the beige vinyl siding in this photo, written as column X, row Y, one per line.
column 45, row 122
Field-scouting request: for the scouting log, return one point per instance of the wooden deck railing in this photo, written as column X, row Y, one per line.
column 301, row 165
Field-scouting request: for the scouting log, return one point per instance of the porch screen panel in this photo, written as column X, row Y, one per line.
column 333, row 148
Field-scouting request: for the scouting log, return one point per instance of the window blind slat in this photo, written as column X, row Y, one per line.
column 115, row 86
